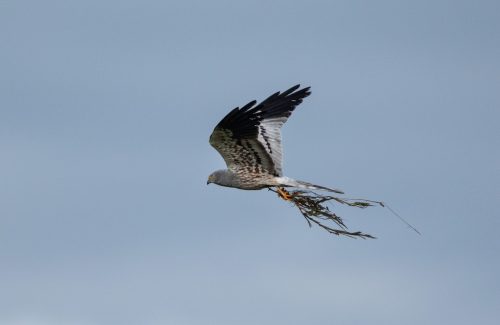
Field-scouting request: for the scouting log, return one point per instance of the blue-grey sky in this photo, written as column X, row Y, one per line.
column 105, row 112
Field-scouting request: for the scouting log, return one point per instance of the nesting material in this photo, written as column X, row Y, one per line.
column 314, row 208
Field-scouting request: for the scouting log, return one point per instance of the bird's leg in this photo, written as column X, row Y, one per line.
column 284, row 194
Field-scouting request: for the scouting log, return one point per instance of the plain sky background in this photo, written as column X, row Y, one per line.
column 105, row 112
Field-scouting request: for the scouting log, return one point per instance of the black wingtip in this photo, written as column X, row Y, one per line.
column 304, row 92
column 243, row 121
column 294, row 88
column 297, row 93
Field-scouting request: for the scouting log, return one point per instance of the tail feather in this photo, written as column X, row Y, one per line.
column 285, row 181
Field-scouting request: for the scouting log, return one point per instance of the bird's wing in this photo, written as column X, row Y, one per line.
column 249, row 138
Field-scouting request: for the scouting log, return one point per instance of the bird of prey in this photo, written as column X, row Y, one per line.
column 249, row 140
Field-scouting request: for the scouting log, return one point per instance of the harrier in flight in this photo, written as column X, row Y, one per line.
column 249, row 140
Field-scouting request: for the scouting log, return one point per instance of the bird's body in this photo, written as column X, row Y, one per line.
column 249, row 140
column 226, row 177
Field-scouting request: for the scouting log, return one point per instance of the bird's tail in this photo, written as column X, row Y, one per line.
column 286, row 181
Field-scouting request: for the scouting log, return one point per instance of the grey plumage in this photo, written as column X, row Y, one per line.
column 249, row 140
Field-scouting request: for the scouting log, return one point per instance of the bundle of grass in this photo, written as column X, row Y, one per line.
column 313, row 207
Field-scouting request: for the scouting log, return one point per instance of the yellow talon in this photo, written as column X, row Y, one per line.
column 284, row 194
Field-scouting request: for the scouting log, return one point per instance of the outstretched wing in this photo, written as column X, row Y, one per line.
column 249, row 138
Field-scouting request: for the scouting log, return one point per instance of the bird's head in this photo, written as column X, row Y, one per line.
column 211, row 178
column 220, row 177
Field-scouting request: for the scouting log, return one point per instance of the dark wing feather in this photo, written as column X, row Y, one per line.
column 249, row 138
